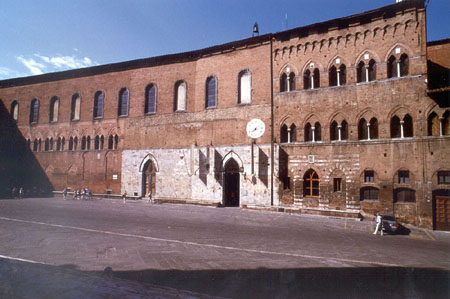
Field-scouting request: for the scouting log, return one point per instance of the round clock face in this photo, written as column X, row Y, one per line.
column 255, row 128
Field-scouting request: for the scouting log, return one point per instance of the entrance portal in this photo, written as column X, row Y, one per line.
column 231, row 184
column 148, row 178
column 441, row 210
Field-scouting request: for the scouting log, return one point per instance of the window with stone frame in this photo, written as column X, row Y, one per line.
column 34, row 111
column 368, row 193
column 99, row 99
column 311, row 184
column 369, row 176
column 337, row 184
column 443, row 177
column 150, row 99
column 124, row 98
column 75, row 107
column 180, row 96
column 54, row 109
column 403, row 176
column 15, row 110
column 245, row 87
column 211, row 92
column 404, row 195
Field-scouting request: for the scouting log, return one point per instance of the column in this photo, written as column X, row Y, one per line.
column 313, row 134
column 339, row 132
column 312, row 81
column 398, row 69
column 366, row 68
column 441, row 126
column 368, row 131
column 289, row 135
column 401, row 129
column 338, row 79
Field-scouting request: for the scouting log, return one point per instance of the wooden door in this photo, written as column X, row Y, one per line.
column 443, row 213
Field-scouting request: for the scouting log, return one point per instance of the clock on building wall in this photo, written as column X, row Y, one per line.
column 255, row 128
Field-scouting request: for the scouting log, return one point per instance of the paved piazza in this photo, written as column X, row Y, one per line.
column 227, row 252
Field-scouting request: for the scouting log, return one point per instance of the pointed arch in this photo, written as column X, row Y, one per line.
column 232, row 155
column 149, row 157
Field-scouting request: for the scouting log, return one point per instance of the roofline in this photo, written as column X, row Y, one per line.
column 196, row 54
column 438, row 42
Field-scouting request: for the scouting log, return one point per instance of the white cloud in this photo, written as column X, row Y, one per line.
column 66, row 62
column 41, row 64
column 32, row 65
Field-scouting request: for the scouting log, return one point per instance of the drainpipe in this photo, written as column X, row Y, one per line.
column 271, row 125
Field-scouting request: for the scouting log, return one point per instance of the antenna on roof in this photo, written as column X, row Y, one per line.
column 255, row 29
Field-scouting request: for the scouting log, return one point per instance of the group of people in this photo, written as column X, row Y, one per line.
column 149, row 197
column 17, row 193
column 78, row 194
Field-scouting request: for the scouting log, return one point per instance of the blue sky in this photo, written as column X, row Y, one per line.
column 54, row 35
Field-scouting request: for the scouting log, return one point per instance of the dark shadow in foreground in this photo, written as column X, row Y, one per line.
column 373, row 282
column 17, row 279
column 18, row 165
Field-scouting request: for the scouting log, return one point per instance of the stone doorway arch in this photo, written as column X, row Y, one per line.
column 231, row 179
column 148, row 178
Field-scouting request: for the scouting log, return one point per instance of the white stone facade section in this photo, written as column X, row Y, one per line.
column 195, row 175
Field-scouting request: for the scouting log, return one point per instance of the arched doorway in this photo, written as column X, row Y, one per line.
column 231, row 184
column 148, row 178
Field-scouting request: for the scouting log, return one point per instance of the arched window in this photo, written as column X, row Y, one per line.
column 102, row 142
column 433, row 125
column 245, row 87
column 446, row 123
column 283, row 83
column 83, row 143
column 332, row 76
column 311, row 183
column 291, row 82
column 293, row 133
column 58, row 144
column 116, row 142
column 342, row 75
column 361, row 72
column 316, row 78
column 284, row 134
column 75, row 107
column 307, row 79
column 150, row 99
column 34, row 111
column 54, row 109
column 372, row 70
column 63, row 142
column 15, row 110
column 35, row 145
column 392, row 67
column 344, row 130
column 404, row 65
column 362, row 129
column 334, row 131
column 404, row 195
column 211, row 92
column 408, row 126
column 110, row 142
column 373, row 128
column 395, row 127
column 124, row 96
column 47, row 145
column 75, row 143
column 180, row 96
column 99, row 99
column 51, row 143
column 71, row 143
column 368, row 193
column 97, row 143
column 317, row 136
column 308, row 133
column 88, row 143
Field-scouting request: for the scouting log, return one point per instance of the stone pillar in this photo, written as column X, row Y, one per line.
column 313, row 134
column 401, row 129
column 339, row 132
column 368, row 131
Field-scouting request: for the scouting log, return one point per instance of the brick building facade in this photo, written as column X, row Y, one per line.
column 352, row 127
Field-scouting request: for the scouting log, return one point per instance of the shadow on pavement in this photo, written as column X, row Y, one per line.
column 20, row 279
column 373, row 282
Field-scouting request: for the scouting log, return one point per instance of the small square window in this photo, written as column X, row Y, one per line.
column 337, row 184
column 369, row 176
column 403, row 177
column 444, row 177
